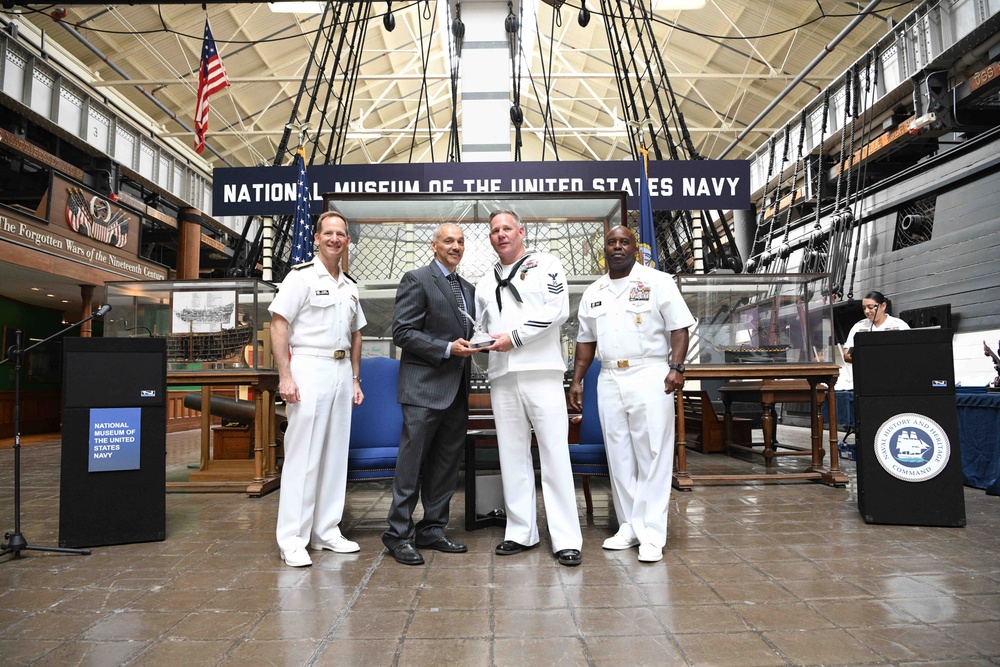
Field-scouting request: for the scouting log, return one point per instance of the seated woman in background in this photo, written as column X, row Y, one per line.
column 877, row 318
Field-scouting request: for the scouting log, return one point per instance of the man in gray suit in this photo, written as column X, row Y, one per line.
column 428, row 325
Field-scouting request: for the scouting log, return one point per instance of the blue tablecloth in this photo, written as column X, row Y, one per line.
column 979, row 436
column 845, row 410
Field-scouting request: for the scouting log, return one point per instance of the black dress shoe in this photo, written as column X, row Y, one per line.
column 509, row 548
column 407, row 554
column 444, row 544
column 569, row 557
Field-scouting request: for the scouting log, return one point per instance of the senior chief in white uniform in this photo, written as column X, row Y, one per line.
column 316, row 322
column 524, row 301
column 636, row 322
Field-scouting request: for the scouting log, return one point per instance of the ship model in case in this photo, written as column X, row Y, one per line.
column 221, row 345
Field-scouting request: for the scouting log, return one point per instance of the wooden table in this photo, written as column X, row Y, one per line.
column 769, row 384
column 256, row 477
column 767, row 393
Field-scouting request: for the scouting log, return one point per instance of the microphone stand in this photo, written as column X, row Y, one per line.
column 16, row 543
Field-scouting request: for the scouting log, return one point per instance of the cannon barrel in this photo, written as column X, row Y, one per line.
column 235, row 409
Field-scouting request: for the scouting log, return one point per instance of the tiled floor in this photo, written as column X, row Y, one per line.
column 784, row 574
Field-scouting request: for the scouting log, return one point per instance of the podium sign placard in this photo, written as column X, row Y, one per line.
column 114, row 439
column 113, row 477
column 909, row 461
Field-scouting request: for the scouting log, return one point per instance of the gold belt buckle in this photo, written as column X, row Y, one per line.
column 623, row 363
column 339, row 354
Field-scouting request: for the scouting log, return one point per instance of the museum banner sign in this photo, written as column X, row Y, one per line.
column 75, row 223
column 673, row 184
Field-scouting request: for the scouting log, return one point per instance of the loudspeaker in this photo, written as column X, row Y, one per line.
column 845, row 315
column 909, row 459
column 113, row 478
column 932, row 316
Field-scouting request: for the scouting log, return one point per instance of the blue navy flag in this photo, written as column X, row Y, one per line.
column 302, row 230
column 647, row 237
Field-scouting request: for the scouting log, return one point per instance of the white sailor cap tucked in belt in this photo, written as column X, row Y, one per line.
column 629, row 363
column 320, row 352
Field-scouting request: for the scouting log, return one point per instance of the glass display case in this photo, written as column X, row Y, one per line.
column 210, row 325
column 758, row 318
column 391, row 234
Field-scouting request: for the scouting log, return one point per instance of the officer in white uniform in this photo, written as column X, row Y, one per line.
column 877, row 318
column 316, row 322
column 524, row 301
column 634, row 319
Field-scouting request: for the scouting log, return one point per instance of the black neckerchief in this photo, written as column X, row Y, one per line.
column 506, row 282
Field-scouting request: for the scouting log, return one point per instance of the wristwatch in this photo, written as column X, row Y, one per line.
column 356, row 377
column 678, row 367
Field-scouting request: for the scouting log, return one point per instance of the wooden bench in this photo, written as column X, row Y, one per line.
column 705, row 429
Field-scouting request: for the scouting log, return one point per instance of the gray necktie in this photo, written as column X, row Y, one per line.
column 456, row 289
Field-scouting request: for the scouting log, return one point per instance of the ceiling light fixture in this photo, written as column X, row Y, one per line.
column 363, row 134
column 675, row 5
column 296, row 7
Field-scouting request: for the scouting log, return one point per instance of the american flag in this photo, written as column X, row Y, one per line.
column 302, row 234
column 212, row 79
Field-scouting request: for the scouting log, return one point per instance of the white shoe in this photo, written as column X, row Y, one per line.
column 623, row 539
column 650, row 554
column 297, row 557
column 339, row 544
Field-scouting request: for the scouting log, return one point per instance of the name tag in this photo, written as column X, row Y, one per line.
column 322, row 292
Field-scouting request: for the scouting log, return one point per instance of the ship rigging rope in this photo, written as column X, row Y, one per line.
column 836, row 255
column 751, row 262
column 621, row 47
column 812, row 257
column 516, row 114
column 769, row 237
column 454, row 59
column 795, row 177
column 423, row 102
column 871, row 94
column 546, row 65
column 850, row 194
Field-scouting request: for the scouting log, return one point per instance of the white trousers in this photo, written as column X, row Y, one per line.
column 314, row 474
column 637, row 419
column 522, row 400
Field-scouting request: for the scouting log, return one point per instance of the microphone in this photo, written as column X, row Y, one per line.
column 103, row 311
column 874, row 317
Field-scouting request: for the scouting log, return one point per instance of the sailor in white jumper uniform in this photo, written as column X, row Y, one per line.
column 524, row 301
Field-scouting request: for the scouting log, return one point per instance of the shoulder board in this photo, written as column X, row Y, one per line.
column 299, row 267
column 349, row 277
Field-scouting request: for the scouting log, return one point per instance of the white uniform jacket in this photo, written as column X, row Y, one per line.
column 633, row 319
column 891, row 324
column 322, row 311
column 534, row 322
